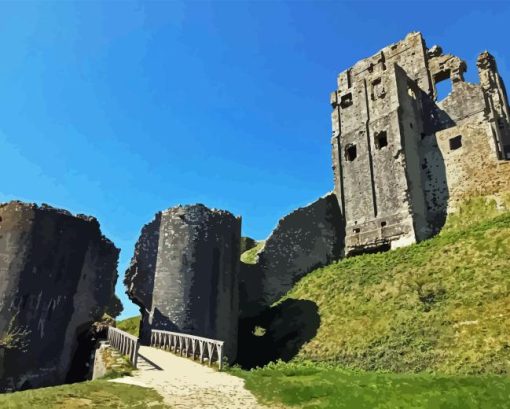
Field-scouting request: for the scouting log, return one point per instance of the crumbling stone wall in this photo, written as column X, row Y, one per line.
column 184, row 274
column 396, row 174
column 477, row 142
column 247, row 243
column 307, row 238
column 472, row 170
column 57, row 276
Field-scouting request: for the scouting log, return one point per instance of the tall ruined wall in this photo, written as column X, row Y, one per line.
column 401, row 159
column 57, row 276
column 476, row 142
column 307, row 238
column 190, row 257
column 374, row 148
column 139, row 278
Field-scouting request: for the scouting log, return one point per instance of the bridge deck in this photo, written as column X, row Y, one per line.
column 185, row 384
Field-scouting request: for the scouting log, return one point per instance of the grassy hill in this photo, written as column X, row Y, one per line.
column 130, row 325
column 426, row 326
column 440, row 306
column 250, row 256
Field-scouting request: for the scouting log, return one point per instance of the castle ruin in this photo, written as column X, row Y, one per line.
column 401, row 158
column 57, row 277
column 184, row 274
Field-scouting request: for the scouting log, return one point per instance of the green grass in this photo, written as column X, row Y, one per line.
column 95, row 394
column 308, row 385
column 439, row 306
column 250, row 256
column 130, row 325
column 426, row 326
column 116, row 365
column 442, row 305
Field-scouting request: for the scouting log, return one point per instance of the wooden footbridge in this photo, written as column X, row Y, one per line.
column 182, row 383
column 205, row 350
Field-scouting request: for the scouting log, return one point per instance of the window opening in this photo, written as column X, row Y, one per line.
column 346, row 100
column 443, row 85
column 378, row 90
column 455, row 143
column 350, row 152
column 381, row 140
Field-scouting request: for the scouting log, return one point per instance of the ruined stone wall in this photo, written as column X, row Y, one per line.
column 139, row 278
column 308, row 238
column 57, row 276
column 190, row 257
column 475, row 141
column 247, row 243
column 395, row 173
column 472, row 169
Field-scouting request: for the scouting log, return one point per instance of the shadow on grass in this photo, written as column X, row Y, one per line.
column 277, row 333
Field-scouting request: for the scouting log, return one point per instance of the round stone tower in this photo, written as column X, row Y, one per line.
column 184, row 274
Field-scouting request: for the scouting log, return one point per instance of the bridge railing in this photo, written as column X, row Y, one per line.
column 125, row 343
column 189, row 346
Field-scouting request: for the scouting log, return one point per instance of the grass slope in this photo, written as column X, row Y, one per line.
column 98, row 394
column 130, row 325
column 308, row 386
column 250, row 256
column 440, row 306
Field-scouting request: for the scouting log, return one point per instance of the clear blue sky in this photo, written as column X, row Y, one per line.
column 121, row 109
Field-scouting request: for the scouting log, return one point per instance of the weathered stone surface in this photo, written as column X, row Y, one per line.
column 184, row 274
column 247, row 243
column 57, row 277
column 307, row 238
column 402, row 159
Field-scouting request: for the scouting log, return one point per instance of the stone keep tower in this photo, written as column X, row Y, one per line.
column 400, row 158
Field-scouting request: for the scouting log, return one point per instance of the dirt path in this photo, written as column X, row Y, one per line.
column 186, row 384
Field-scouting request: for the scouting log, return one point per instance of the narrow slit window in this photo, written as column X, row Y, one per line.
column 456, row 143
column 350, row 152
column 381, row 139
column 356, row 230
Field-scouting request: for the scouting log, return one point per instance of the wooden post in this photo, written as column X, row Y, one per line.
column 209, row 352
column 135, row 355
column 220, row 355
